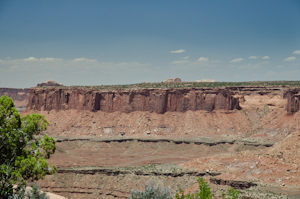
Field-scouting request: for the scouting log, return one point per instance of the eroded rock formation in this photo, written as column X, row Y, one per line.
column 49, row 83
column 177, row 79
column 237, row 184
column 293, row 99
column 152, row 100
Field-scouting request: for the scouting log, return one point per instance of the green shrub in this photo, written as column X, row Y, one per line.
column 152, row 192
column 23, row 151
column 231, row 194
column 158, row 192
column 34, row 193
column 205, row 192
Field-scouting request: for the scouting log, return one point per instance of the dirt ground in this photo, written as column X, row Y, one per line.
column 266, row 124
column 252, row 157
column 91, row 152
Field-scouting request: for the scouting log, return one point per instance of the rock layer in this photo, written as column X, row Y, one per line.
column 49, row 83
column 237, row 184
column 293, row 99
column 152, row 100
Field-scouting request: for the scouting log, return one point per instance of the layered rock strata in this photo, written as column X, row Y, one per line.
column 293, row 99
column 49, row 83
column 155, row 100
column 152, row 100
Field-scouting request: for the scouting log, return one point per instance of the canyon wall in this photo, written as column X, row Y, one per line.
column 293, row 99
column 152, row 100
column 83, row 120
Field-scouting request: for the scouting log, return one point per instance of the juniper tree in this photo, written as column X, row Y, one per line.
column 23, row 153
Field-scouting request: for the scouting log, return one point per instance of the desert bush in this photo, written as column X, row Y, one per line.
column 205, row 192
column 34, row 193
column 231, row 194
column 152, row 191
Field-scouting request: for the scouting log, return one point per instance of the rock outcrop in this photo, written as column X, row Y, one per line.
column 293, row 101
column 49, row 83
column 237, row 184
column 172, row 80
column 152, row 100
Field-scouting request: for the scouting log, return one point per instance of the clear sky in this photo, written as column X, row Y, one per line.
column 98, row 42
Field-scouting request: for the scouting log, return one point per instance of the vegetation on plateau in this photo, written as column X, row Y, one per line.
column 193, row 85
column 152, row 191
column 205, row 192
column 33, row 193
column 23, row 153
column 158, row 192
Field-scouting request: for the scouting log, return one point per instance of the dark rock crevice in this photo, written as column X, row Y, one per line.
column 233, row 183
column 115, row 172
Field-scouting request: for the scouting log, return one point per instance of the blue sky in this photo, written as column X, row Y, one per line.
column 97, row 42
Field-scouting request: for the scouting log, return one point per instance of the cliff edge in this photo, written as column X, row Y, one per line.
column 152, row 100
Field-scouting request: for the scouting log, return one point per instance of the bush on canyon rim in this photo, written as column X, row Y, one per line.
column 33, row 193
column 152, row 191
column 205, row 192
column 158, row 192
column 23, row 156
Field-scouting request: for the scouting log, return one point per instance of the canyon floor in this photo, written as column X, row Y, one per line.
column 106, row 155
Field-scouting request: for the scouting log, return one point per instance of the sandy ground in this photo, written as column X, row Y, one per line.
column 262, row 119
column 54, row 196
column 51, row 195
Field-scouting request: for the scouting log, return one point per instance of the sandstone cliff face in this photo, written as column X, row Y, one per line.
column 49, row 83
column 152, row 100
column 293, row 99
column 282, row 96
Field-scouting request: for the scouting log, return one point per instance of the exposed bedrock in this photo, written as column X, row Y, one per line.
column 293, row 99
column 233, row 183
column 152, row 100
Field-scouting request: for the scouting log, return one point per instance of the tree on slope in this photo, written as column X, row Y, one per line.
column 23, row 153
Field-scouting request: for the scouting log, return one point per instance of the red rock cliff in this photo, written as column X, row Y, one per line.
column 152, row 100
column 293, row 101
